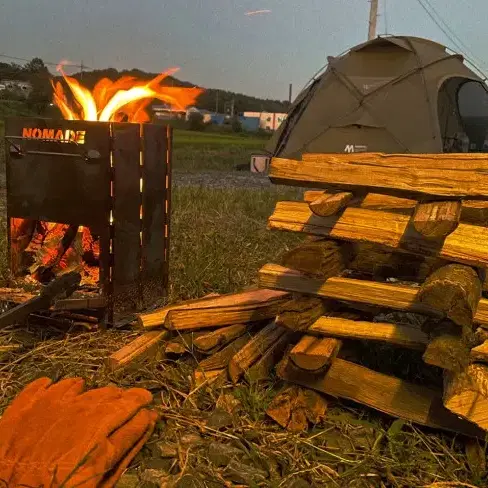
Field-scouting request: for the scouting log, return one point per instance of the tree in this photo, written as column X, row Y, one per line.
column 36, row 65
column 195, row 121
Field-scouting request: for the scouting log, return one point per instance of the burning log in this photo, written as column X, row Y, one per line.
column 64, row 285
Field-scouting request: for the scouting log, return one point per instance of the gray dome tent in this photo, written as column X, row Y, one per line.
column 392, row 95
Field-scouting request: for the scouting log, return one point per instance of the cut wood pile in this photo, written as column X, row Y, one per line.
column 394, row 258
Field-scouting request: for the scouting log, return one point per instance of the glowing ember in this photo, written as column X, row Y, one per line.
column 123, row 100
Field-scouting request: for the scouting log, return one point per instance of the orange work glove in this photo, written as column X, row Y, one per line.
column 54, row 433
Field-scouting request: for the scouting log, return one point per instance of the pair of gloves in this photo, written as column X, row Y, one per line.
column 56, row 435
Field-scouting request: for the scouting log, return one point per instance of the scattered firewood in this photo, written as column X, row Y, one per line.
column 214, row 377
column 294, row 407
column 211, row 341
column 330, row 203
column 455, row 290
column 254, row 349
column 390, row 395
column 321, row 259
column 80, row 303
column 300, row 312
column 468, row 244
column 480, row 353
column 399, row 297
column 15, row 295
column 62, row 286
column 263, row 367
column 238, row 308
column 142, row 347
column 436, row 220
column 182, row 343
column 466, row 394
column 405, row 175
column 315, row 353
column 402, row 335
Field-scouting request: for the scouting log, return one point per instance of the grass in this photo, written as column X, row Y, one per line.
column 219, row 241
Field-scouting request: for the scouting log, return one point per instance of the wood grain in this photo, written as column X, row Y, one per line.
column 314, row 353
column 329, row 204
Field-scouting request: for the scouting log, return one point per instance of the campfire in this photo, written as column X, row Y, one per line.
column 44, row 249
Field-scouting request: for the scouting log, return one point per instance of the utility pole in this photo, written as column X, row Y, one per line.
column 216, row 101
column 373, row 17
column 81, row 70
column 290, row 93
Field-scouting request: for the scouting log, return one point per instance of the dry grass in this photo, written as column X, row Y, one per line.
column 219, row 241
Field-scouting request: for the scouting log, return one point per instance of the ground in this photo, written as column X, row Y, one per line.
column 209, row 438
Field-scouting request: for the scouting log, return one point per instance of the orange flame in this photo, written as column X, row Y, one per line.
column 125, row 99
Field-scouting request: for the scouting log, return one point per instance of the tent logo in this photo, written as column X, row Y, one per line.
column 353, row 148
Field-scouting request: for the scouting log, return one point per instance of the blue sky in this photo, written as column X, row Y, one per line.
column 214, row 43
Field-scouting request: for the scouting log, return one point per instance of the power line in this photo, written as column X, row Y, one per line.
column 450, row 34
column 49, row 63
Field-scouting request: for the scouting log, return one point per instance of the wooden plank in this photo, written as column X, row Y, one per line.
column 233, row 308
column 472, row 211
column 126, row 219
column 390, row 395
column 314, row 353
column 155, row 208
column 140, row 348
column 455, row 290
column 330, row 204
column 466, row 394
column 398, row 297
column 397, row 334
column 220, row 360
column 480, row 353
column 253, row 350
column 420, row 175
column 80, row 303
column 468, row 244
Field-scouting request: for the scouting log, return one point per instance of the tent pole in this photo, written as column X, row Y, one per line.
column 373, row 17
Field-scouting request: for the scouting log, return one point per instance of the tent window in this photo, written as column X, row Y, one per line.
column 472, row 99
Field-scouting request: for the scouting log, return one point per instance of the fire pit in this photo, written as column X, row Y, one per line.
column 93, row 197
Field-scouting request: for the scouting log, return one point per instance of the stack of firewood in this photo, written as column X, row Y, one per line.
column 385, row 233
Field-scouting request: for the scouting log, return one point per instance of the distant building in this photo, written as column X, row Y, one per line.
column 165, row 112
column 17, row 86
column 267, row 120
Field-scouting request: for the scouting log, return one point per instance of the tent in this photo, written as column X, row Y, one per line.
column 393, row 95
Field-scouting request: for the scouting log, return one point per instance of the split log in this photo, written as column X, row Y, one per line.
column 142, row 347
column 330, row 203
column 62, row 286
column 403, row 335
column 262, row 369
column 321, row 258
column 466, row 394
column 422, row 176
column 472, row 211
column 254, row 349
column 216, row 377
column 314, row 353
column 480, row 336
column 398, row 297
column 237, row 308
column 294, row 407
column 468, row 244
column 436, row 220
column 447, row 348
column 454, row 290
column 300, row 312
column 390, row 395
column 480, row 353
column 211, row 341
column 182, row 344
column 220, row 360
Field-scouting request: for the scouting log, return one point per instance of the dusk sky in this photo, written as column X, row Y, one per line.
column 214, row 43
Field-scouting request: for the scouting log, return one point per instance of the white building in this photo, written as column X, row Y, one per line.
column 18, row 86
column 267, row 120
